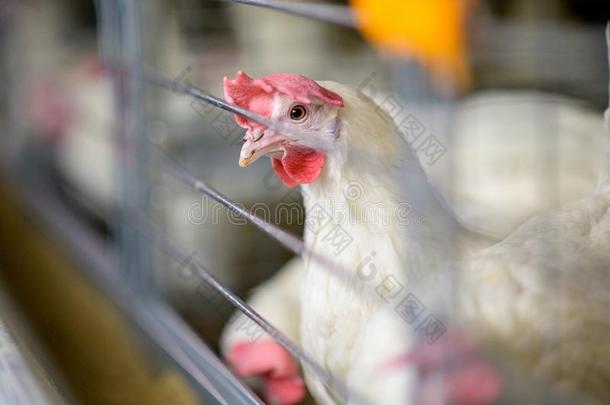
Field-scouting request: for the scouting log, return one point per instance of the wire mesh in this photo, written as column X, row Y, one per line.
column 121, row 48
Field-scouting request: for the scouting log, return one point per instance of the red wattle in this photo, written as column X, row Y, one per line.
column 299, row 166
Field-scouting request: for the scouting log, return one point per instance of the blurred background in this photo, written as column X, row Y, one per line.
column 511, row 92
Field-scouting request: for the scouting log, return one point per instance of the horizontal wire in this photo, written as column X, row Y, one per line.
column 337, row 385
column 336, row 14
column 165, row 338
column 163, row 80
column 290, row 241
column 287, row 239
column 30, row 174
column 158, row 78
column 174, row 322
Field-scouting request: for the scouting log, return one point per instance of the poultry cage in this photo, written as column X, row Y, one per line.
column 121, row 149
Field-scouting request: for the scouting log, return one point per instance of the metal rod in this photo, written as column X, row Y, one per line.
column 172, row 329
column 120, row 40
column 165, row 339
column 287, row 239
column 163, row 80
column 336, row 14
column 337, row 385
column 131, row 142
column 174, row 322
column 608, row 51
column 30, row 175
column 160, row 79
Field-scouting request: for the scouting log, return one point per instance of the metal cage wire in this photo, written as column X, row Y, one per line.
column 121, row 49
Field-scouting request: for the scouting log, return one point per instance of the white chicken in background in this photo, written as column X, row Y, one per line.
column 85, row 153
column 541, row 294
column 75, row 106
column 514, row 154
column 76, row 109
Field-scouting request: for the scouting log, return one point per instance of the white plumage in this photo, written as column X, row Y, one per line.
column 541, row 294
column 340, row 323
column 514, row 154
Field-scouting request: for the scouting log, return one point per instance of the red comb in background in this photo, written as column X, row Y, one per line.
column 93, row 66
column 257, row 94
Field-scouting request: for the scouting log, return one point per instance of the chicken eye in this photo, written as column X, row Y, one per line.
column 298, row 112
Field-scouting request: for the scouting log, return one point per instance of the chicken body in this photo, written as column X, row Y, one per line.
column 374, row 222
column 380, row 221
column 541, row 294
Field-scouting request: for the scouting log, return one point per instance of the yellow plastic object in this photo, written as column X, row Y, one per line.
column 432, row 31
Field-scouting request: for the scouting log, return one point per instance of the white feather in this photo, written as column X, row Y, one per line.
column 542, row 294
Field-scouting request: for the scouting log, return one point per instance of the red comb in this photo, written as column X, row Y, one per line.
column 257, row 94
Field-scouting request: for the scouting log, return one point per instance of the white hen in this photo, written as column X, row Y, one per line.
column 539, row 293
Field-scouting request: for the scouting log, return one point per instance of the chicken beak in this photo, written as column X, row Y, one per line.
column 256, row 146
